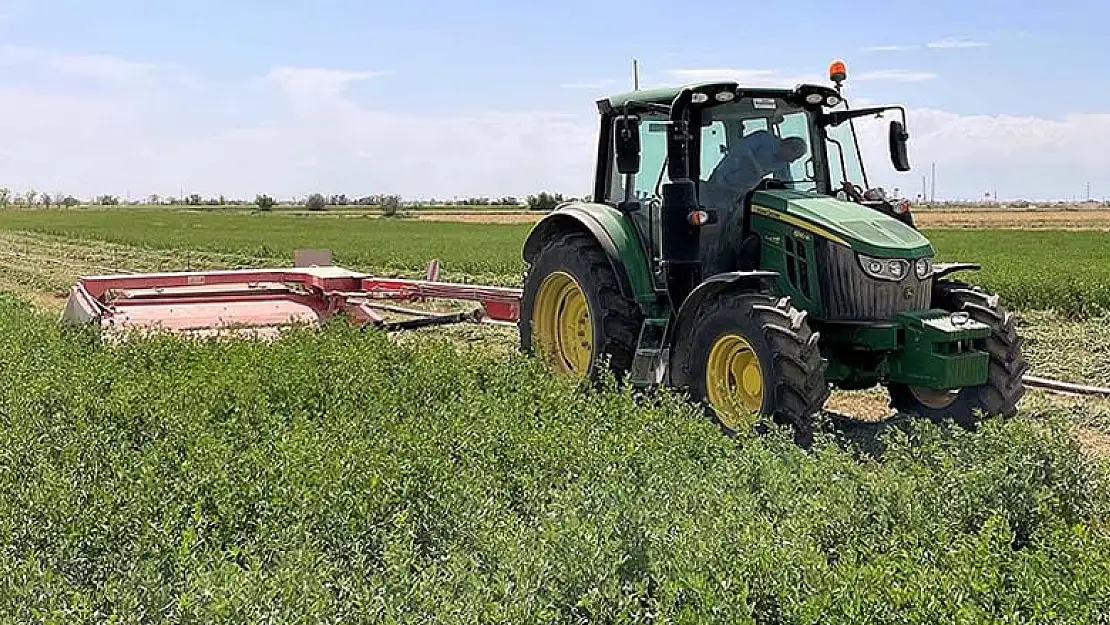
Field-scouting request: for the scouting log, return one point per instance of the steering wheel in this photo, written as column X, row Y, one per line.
column 852, row 190
column 770, row 183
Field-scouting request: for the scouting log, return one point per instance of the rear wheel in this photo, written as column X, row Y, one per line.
column 752, row 355
column 1004, row 387
column 573, row 315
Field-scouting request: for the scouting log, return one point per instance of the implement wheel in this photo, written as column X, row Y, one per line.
column 1004, row 388
column 573, row 316
column 753, row 355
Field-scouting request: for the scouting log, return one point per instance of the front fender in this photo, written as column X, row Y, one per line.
column 943, row 269
column 614, row 232
column 682, row 328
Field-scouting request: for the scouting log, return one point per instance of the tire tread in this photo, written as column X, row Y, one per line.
column 800, row 389
column 620, row 316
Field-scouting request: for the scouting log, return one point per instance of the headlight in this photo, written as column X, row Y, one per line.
column 884, row 269
column 923, row 268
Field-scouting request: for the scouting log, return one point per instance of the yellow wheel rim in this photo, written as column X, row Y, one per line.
column 933, row 398
column 561, row 324
column 734, row 381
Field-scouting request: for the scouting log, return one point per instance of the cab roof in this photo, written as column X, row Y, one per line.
column 666, row 95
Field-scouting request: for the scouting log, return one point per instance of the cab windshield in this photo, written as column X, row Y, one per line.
column 745, row 141
column 845, row 162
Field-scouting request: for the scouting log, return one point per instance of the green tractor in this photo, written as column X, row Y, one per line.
column 733, row 249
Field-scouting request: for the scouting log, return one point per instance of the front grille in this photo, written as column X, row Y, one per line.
column 849, row 294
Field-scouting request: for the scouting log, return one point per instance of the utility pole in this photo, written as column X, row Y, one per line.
column 1088, row 192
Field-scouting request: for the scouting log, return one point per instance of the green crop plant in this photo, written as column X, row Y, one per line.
column 341, row 476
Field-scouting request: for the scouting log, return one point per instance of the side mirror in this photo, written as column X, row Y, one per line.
column 627, row 143
column 898, row 138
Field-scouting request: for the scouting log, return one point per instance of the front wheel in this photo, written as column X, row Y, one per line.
column 999, row 397
column 752, row 355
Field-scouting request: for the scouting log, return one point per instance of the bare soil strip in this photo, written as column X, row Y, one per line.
column 1086, row 219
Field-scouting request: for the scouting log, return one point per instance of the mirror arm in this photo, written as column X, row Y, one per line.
column 836, row 118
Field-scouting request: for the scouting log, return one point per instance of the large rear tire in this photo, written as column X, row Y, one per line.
column 573, row 315
column 999, row 397
column 752, row 355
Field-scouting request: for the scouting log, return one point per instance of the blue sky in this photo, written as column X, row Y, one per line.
column 457, row 98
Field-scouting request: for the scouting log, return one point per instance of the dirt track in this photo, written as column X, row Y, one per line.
column 1088, row 219
column 481, row 217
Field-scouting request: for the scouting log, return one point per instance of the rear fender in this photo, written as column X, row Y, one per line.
column 682, row 329
column 614, row 233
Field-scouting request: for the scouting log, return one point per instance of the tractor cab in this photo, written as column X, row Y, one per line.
column 721, row 145
column 734, row 142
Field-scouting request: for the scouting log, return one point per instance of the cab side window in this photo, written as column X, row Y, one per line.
column 653, row 156
column 714, row 144
column 797, row 125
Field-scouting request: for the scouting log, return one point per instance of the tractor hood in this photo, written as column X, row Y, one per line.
column 864, row 229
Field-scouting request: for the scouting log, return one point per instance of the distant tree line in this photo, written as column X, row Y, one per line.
column 35, row 198
column 393, row 204
column 390, row 204
column 544, row 201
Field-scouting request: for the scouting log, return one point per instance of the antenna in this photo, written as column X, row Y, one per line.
column 635, row 75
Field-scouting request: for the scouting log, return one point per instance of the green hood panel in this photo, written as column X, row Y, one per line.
column 866, row 230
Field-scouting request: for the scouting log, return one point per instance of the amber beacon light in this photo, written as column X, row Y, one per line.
column 838, row 72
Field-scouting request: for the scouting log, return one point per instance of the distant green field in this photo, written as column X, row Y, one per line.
column 1044, row 269
column 1065, row 270
column 486, row 252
